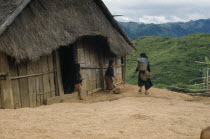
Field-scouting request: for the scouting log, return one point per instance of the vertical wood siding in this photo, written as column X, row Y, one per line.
column 33, row 83
column 93, row 63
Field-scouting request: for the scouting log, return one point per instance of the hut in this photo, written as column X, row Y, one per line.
column 40, row 40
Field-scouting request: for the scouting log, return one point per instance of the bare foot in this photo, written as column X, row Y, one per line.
column 80, row 98
column 110, row 92
column 146, row 93
column 139, row 90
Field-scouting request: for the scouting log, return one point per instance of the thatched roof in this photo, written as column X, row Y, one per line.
column 7, row 7
column 45, row 25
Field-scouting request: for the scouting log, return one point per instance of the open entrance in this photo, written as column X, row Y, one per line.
column 67, row 61
column 93, row 54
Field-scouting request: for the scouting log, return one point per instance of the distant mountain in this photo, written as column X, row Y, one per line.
column 172, row 59
column 177, row 29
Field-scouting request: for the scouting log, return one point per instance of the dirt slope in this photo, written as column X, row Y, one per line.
column 161, row 115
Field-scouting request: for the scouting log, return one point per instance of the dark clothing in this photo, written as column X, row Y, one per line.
column 148, row 84
column 108, row 78
column 77, row 78
column 109, row 83
column 109, row 72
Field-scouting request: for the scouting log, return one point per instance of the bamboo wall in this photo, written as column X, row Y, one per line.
column 33, row 82
column 0, row 97
column 94, row 62
column 6, row 98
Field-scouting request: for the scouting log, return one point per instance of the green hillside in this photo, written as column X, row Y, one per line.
column 172, row 59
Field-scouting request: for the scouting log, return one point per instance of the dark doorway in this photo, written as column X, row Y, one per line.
column 67, row 61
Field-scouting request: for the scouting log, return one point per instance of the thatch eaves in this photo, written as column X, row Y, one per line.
column 45, row 25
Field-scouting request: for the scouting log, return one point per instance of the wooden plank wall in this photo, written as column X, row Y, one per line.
column 89, row 56
column 5, row 83
column 33, row 83
column 118, row 66
column 0, row 98
column 118, row 71
column 15, row 85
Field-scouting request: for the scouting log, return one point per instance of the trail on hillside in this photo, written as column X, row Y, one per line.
column 161, row 115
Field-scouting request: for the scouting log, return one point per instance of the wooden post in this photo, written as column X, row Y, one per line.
column 15, row 84
column 101, row 64
column 46, row 79
column 55, row 74
column 11, row 18
column 124, row 70
column 51, row 75
column 23, row 85
column 59, row 76
column 207, row 78
column 0, row 97
column 31, row 84
column 6, row 87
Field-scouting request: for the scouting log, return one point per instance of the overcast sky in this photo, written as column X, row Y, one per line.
column 159, row 11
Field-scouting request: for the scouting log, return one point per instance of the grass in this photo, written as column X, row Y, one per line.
column 172, row 60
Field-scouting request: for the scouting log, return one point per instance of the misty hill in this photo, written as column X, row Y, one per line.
column 172, row 59
column 174, row 30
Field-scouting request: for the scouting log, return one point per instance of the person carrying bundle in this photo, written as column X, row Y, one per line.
column 144, row 73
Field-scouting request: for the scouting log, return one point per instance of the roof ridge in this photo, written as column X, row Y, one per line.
column 13, row 16
column 100, row 3
column 112, row 20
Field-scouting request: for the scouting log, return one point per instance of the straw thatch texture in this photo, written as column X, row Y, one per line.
column 44, row 25
column 7, row 7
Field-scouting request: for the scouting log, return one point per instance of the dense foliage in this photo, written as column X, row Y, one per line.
column 178, row 29
column 172, row 59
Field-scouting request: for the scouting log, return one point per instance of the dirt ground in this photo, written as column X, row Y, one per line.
column 130, row 115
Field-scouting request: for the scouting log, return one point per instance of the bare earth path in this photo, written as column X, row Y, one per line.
column 161, row 115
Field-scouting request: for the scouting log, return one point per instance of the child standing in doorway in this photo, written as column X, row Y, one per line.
column 109, row 75
column 77, row 80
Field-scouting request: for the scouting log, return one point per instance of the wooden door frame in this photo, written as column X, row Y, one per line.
column 59, row 82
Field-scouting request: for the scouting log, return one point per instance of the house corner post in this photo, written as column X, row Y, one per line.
column 5, row 82
column 124, row 70
column 59, row 74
